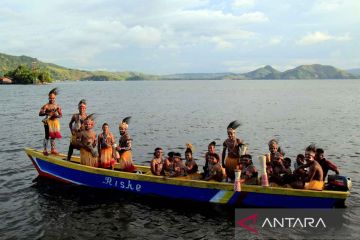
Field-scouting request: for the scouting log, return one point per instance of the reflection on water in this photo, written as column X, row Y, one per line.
column 166, row 114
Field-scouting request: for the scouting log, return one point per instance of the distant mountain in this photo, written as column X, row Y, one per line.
column 266, row 72
column 355, row 71
column 315, row 71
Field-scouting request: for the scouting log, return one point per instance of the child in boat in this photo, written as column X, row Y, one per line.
column 300, row 160
column 325, row 164
column 156, row 164
column 178, row 167
column 249, row 173
column 216, row 171
column 191, row 166
column 76, row 125
column 278, row 169
column 124, row 148
column 314, row 179
column 88, row 150
column 232, row 146
column 168, row 163
column 52, row 113
column 106, row 141
column 210, row 155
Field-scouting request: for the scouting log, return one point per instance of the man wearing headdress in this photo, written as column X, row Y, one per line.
column 76, row 125
column 88, row 150
column 53, row 112
column 232, row 145
column 124, row 148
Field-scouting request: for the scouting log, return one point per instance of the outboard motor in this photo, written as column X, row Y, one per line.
column 338, row 183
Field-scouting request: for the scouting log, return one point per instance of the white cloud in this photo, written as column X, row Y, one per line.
column 221, row 43
column 275, row 40
column 243, row 3
column 317, row 37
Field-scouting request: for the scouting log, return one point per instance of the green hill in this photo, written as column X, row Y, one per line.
column 59, row 73
column 266, row 72
column 316, row 71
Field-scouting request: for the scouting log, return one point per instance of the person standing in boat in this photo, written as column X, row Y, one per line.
column 210, row 155
column 232, row 145
column 156, row 164
column 124, row 148
column 52, row 113
column 76, row 125
column 105, row 143
column 191, row 166
column 88, row 151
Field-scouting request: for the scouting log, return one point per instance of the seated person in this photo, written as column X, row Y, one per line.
column 167, row 166
column 178, row 167
column 325, row 164
column 210, row 155
column 215, row 171
column 300, row 160
column 191, row 166
column 314, row 179
column 278, row 170
column 249, row 174
column 287, row 165
column 156, row 164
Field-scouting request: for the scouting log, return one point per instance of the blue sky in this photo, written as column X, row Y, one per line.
column 177, row 36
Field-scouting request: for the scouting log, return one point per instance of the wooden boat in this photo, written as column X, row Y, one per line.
column 190, row 187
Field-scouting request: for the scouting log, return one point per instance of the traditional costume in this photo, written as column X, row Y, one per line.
column 233, row 148
column 88, row 151
column 106, row 142
column 51, row 122
column 124, row 148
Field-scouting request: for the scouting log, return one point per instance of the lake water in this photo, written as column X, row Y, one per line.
column 167, row 114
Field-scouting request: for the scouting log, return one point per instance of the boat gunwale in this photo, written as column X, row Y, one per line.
column 58, row 160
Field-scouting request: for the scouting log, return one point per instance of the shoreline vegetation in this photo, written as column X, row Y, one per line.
column 28, row 70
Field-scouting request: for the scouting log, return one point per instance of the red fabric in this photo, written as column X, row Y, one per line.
column 55, row 135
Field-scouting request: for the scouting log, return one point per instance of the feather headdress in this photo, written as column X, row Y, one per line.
column 125, row 123
column 90, row 117
column 82, row 101
column 54, row 91
column 189, row 148
column 233, row 125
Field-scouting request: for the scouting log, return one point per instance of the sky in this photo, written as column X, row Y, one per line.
column 183, row 36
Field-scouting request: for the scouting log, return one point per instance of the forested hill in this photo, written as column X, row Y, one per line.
column 59, row 73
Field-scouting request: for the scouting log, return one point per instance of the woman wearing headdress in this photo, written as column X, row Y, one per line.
column 232, row 145
column 124, row 148
column 191, row 166
column 52, row 113
column 76, row 125
column 106, row 141
column 88, row 150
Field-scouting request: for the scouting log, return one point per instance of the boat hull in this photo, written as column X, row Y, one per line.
column 218, row 193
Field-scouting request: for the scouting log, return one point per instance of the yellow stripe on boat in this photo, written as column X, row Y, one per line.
column 222, row 196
